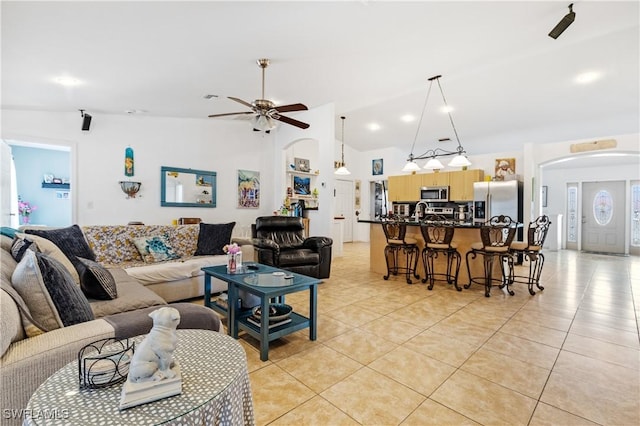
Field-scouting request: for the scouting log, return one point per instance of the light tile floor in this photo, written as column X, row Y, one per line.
column 389, row 353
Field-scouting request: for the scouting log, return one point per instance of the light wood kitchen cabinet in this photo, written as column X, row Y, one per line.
column 435, row 179
column 405, row 187
column 461, row 184
column 396, row 183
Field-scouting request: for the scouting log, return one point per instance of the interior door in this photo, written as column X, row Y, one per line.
column 5, row 186
column 603, row 217
column 344, row 207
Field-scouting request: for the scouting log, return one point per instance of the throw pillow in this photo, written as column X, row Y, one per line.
column 213, row 237
column 20, row 246
column 96, row 281
column 49, row 248
column 155, row 248
column 49, row 292
column 69, row 240
column 7, row 231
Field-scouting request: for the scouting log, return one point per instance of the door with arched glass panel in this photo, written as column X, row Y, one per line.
column 603, row 217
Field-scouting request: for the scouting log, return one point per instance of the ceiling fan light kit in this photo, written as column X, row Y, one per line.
column 459, row 160
column 266, row 112
column 564, row 23
column 342, row 170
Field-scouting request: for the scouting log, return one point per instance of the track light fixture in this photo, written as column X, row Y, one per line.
column 564, row 23
column 86, row 120
column 342, row 170
column 459, row 159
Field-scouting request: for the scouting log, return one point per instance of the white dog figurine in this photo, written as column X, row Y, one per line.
column 153, row 358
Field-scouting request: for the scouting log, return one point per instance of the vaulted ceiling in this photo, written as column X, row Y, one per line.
column 507, row 81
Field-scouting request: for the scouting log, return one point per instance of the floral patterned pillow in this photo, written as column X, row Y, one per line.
column 156, row 248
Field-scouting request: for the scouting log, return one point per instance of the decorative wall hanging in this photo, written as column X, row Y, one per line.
column 302, row 164
column 302, row 186
column 128, row 161
column 248, row 189
column 377, row 166
column 505, row 167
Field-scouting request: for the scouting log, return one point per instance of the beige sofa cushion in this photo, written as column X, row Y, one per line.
column 131, row 296
column 173, row 271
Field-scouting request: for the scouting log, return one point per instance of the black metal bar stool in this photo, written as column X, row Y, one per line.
column 532, row 251
column 438, row 234
column 496, row 234
column 395, row 231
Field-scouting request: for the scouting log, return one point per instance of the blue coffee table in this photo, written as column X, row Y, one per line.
column 267, row 287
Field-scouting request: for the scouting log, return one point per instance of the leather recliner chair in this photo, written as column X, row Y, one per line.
column 279, row 241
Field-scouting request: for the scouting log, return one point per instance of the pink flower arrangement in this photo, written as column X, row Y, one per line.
column 25, row 209
column 231, row 248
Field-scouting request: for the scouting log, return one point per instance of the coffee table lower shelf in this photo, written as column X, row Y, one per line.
column 298, row 322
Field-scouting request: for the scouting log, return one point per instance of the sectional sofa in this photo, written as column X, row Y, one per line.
column 31, row 352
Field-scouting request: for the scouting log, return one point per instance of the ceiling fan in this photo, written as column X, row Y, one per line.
column 266, row 111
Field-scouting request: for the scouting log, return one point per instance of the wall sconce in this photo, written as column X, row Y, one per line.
column 130, row 188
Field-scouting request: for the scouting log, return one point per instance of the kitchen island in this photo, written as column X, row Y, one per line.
column 466, row 233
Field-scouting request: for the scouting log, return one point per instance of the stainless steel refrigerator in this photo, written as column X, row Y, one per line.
column 497, row 198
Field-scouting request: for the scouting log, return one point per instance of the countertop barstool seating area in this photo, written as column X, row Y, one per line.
column 532, row 251
column 496, row 234
column 395, row 231
column 438, row 235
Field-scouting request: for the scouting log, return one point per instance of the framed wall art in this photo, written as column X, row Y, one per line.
column 377, row 166
column 302, row 164
column 302, row 186
column 505, row 167
column 248, row 189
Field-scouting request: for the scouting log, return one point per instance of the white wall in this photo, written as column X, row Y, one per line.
column 98, row 162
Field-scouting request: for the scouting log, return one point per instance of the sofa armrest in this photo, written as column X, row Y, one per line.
column 29, row 362
column 264, row 243
column 317, row 243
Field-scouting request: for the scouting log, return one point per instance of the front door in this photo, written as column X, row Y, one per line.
column 603, row 217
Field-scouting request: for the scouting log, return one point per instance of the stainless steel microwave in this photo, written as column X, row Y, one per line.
column 434, row 194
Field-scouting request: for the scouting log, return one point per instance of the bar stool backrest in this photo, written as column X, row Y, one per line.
column 537, row 231
column 436, row 230
column 498, row 232
column 394, row 230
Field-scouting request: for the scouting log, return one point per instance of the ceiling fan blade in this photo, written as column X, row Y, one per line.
column 290, row 121
column 231, row 113
column 291, row 108
column 241, row 101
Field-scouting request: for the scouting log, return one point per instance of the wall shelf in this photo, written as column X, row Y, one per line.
column 296, row 172
column 56, row 185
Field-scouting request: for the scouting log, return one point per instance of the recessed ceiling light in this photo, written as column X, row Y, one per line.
column 408, row 118
column 67, row 81
column 587, row 77
column 374, row 127
column 446, row 109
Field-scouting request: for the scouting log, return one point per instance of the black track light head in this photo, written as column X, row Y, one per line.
column 564, row 23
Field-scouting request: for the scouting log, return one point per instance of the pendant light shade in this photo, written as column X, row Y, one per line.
column 411, row 166
column 434, row 164
column 342, row 170
column 459, row 161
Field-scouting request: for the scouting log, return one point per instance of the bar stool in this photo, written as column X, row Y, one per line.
column 531, row 250
column 395, row 231
column 437, row 234
column 496, row 234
